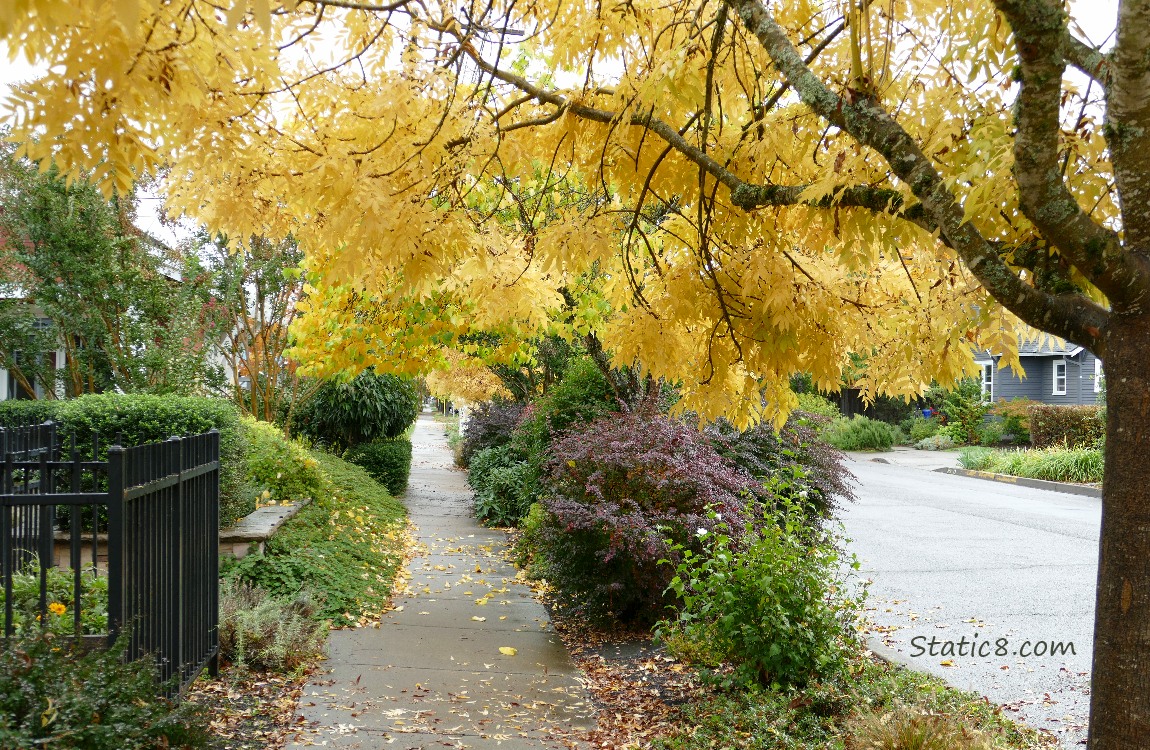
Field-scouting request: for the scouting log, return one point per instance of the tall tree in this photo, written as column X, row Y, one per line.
column 774, row 186
column 126, row 311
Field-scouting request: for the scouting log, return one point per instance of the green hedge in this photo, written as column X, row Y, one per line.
column 387, row 461
column 144, row 418
column 282, row 467
column 1066, row 426
column 860, row 434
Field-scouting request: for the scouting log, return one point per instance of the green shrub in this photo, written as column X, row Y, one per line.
column 528, row 542
column 18, row 412
column 974, row 458
column 774, row 604
column 387, row 461
column 344, row 547
column 506, row 498
column 264, row 633
column 1015, row 415
column 61, row 605
column 860, row 434
column 283, row 467
column 990, row 434
column 813, row 403
column 54, row 695
column 1067, row 426
column 918, row 428
column 956, row 433
column 369, row 407
column 940, row 442
column 964, row 408
column 144, row 418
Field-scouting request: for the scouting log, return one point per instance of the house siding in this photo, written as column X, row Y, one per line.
column 1038, row 385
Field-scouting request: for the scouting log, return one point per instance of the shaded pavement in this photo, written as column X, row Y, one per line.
column 468, row 658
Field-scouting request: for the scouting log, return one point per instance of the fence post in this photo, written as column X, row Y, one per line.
column 176, row 541
column 213, row 454
column 115, row 542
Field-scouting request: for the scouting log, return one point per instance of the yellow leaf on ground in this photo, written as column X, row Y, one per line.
column 508, row 651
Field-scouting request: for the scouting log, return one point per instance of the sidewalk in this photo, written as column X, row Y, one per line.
column 468, row 658
column 909, row 457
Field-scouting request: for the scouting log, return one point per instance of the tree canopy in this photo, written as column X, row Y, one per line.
column 725, row 192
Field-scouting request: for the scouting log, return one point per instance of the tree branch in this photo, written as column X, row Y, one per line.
column 1071, row 316
column 1097, row 252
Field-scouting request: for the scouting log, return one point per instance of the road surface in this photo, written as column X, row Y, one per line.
column 1005, row 572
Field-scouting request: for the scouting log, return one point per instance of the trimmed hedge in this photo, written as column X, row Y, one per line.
column 1067, row 426
column 387, row 461
column 145, row 418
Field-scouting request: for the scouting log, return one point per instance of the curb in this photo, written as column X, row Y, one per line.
column 890, row 656
column 1038, row 484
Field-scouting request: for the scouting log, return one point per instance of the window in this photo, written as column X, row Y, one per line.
column 1060, row 378
column 1097, row 375
column 987, row 381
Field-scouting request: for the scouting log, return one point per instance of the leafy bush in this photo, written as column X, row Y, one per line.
column 283, row 467
column 764, row 453
column 53, row 694
column 618, row 489
column 1055, row 463
column 60, row 617
column 264, row 633
column 956, row 433
column 529, row 542
column 387, row 461
column 860, row 434
column 774, row 604
column 369, row 407
column 990, row 434
column 918, row 428
column 964, row 408
column 490, row 425
column 939, row 442
column 1015, row 415
column 507, row 497
column 143, row 418
column 813, row 403
column 1067, row 426
column 344, row 547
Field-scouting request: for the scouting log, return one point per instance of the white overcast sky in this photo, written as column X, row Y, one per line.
column 1095, row 18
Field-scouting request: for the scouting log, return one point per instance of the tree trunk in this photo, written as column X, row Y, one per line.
column 1120, row 689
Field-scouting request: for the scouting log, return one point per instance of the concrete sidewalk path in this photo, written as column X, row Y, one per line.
column 468, row 658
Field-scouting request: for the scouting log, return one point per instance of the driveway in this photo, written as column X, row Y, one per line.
column 962, row 565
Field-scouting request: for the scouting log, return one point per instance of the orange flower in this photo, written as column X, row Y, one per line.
column 57, row 608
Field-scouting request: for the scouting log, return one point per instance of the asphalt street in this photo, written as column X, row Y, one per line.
column 1011, row 570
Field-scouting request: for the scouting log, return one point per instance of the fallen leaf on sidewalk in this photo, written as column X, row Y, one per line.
column 508, row 651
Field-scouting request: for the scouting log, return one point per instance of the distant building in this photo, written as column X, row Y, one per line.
column 1057, row 372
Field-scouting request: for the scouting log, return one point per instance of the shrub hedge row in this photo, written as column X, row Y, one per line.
column 387, row 461
column 1067, row 426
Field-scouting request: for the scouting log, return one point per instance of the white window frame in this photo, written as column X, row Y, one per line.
column 1056, row 391
column 1098, row 375
column 987, row 380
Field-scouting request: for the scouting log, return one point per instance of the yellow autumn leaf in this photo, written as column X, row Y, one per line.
column 508, row 651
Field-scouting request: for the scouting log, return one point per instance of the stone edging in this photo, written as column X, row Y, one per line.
column 1038, row 484
column 257, row 527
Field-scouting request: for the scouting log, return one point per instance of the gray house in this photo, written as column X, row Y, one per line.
column 1057, row 372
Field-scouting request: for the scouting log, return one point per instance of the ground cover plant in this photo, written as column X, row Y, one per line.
column 344, row 547
column 1055, row 463
column 55, row 696
column 263, row 633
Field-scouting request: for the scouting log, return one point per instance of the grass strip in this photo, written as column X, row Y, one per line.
column 1055, row 464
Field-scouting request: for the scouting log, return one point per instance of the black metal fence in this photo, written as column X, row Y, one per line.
column 145, row 519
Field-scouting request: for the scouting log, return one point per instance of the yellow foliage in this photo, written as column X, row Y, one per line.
column 423, row 189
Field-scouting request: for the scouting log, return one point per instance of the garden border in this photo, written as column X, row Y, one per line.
column 1038, row 484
